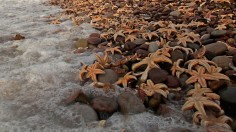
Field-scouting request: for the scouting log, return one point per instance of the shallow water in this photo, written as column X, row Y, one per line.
column 37, row 73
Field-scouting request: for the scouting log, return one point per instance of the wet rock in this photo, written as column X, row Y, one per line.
column 87, row 112
column 105, row 106
column 231, row 41
column 208, row 41
column 182, row 79
column 94, row 40
column 157, row 75
column 217, row 48
column 175, row 13
column 222, row 61
column 110, row 76
column 164, row 110
column 129, row 45
column 130, row 103
column 218, row 33
column 81, row 43
column 97, row 35
column 139, row 41
column 177, row 54
column 205, row 37
column 155, row 101
column 217, row 84
column 172, row 82
column 142, row 52
column 153, row 47
column 234, row 60
column 228, row 100
column 193, row 46
column 209, row 55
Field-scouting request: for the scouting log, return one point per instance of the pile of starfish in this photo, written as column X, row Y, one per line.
column 123, row 22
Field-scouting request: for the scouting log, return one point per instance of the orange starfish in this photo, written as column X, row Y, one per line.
column 124, row 80
column 93, row 70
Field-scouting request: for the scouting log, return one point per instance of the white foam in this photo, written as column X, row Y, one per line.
column 37, row 73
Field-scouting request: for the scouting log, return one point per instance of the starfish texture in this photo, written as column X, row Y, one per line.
column 150, row 88
column 93, row 71
column 124, row 80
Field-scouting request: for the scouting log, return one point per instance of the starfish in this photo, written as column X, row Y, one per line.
column 176, row 69
column 221, row 1
column 203, row 62
column 130, row 37
column 150, row 88
column 210, row 120
column 198, row 102
column 163, row 51
column 200, row 76
column 183, row 39
column 150, row 61
column 93, row 70
column 221, row 27
column 124, row 80
column 194, row 37
column 149, row 35
column 186, row 50
column 204, row 92
column 104, row 61
column 215, row 71
column 129, row 31
column 167, row 31
column 113, row 50
column 82, row 72
column 119, row 33
column 199, row 54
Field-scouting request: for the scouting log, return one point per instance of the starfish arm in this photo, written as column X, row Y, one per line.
column 191, row 79
column 188, row 105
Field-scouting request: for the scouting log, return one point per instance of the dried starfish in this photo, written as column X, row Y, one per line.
column 104, row 61
column 93, row 70
column 198, row 102
column 211, row 120
column 183, row 39
column 203, row 62
column 82, row 72
column 119, row 33
column 150, row 88
column 176, row 69
column 149, row 35
column 186, row 50
column 205, row 92
column 124, row 80
column 113, row 50
column 150, row 61
column 200, row 76
column 130, row 37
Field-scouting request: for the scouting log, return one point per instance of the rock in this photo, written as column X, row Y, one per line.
column 110, row 76
column 231, row 41
column 153, row 47
column 139, row 41
column 218, row 33
column 94, row 40
column 130, row 103
column 222, row 61
column 157, row 75
column 144, row 46
column 231, row 52
column 233, row 126
column 205, row 37
column 129, row 45
column 97, row 35
column 194, row 46
column 77, row 96
column 217, row 84
column 177, row 54
column 172, row 82
column 155, row 101
column 142, row 53
column 208, row 41
column 19, row 37
column 217, row 48
column 88, row 113
column 81, row 43
column 209, row 55
column 234, row 60
column 105, row 106
column 175, row 13
column 164, row 110
column 228, row 100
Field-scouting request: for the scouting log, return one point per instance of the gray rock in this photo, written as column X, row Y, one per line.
column 110, row 76
column 228, row 100
column 104, row 104
column 218, row 33
column 87, row 112
column 153, row 47
column 217, row 48
column 139, row 41
column 222, row 61
column 175, row 13
column 130, row 103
